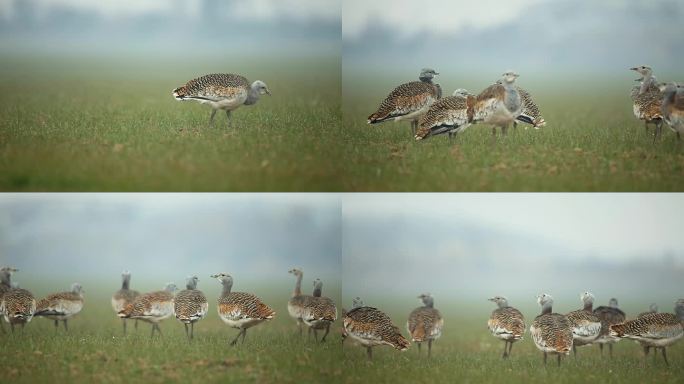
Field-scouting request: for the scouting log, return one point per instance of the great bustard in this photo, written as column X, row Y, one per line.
column 609, row 315
column 551, row 332
column 586, row 326
column 222, row 91
column 190, row 305
column 672, row 107
column 240, row 310
column 321, row 312
column 530, row 113
column 653, row 308
column 299, row 301
column 647, row 99
column 499, row 104
column 124, row 296
column 425, row 323
column 5, row 285
column 656, row 330
column 18, row 306
column 409, row 101
column 371, row 327
column 450, row 115
column 356, row 303
column 152, row 307
column 62, row 305
column 506, row 323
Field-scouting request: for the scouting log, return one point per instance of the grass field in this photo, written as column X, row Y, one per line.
column 467, row 353
column 94, row 349
column 591, row 142
column 79, row 124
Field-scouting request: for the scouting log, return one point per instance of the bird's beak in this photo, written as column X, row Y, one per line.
column 490, row 299
column 634, row 69
column 214, row 276
column 436, row 73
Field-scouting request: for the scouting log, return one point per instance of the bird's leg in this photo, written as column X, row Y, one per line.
column 152, row 333
column 65, row 326
column 136, row 324
column 369, row 353
column 504, row 130
column 657, row 133
column 646, row 350
column 505, row 349
column 156, row 325
column 574, row 351
column 327, row 330
column 559, row 357
column 57, row 325
column 192, row 331
column 308, row 334
column 510, row 347
column 2, row 326
column 230, row 121
column 451, row 137
column 544, row 358
column 665, row 356
column 12, row 327
column 494, row 131
column 515, row 125
column 124, row 325
column 315, row 335
column 301, row 330
column 429, row 348
column 211, row 119
column 601, row 347
column 236, row 338
column 418, row 347
column 414, row 127
column 187, row 334
column 610, row 349
column 244, row 333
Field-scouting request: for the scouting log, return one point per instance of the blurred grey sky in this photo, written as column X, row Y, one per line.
column 471, row 246
column 574, row 37
column 182, row 27
column 165, row 237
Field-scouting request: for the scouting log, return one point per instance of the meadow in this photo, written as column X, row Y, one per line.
column 591, row 142
column 95, row 350
column 467, row 353
column 110, row 124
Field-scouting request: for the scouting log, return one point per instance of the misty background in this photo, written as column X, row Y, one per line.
column 465, row 248
column 550, row 43
column 57, row 239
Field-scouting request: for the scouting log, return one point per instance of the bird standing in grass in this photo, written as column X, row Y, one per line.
column 425, row 323
column 18, row 306
column 499, row 104
column 222, row 91
column 152, row 307
column 372, row 327
column 450, row 115
column 409, row 101
column 190, row 306
column 506, row 323
column 123, row 297
column 61, row 306
column 609, row 315
column 321, row 312
column 586, row 326
column 240, row 310
column 5, row 285
column 647, row 99
column 551, row 332
column 655, row 330
column 298, row 302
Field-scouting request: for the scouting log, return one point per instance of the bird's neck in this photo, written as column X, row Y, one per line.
column 252, row 95
column 425, row 79
column 125, row 284
column 588, row 306
column 546, row 309
column 318, row 292
column 298, row 286
column 227, row 286
column 503, row 305
column 646, row 82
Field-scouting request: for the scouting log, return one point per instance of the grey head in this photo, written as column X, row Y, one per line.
column 587, row 298
column 296, row 271
column 500, row 301
column 509, row 77
column 170, row 287
column 427, row 300
column 679, row 309
column 317, row 288
column 77, row 289
column 644, row 70
column 613, row 303
column 357, row 302
column 546, row 301
column 6, row 275
column 261, row 87
column 191, row 282
column 461, row 92
column 224, row 278
column 427, row 74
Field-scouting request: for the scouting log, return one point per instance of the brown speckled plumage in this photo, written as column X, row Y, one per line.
column 406, row 99
column 372, row 327
column 214, row 86
column 507, row 323
column 62, row 305
column 18, row 306
column 450, row 114
column 530, row 110
column 242, row 305
column 655, row 330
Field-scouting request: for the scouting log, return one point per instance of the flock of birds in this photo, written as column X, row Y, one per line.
column 552, row 333
column 504, row 103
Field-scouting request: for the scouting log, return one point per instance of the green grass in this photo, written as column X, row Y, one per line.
column 590, row 143
column 113, row 126
column 94, row 350
column 467, row 353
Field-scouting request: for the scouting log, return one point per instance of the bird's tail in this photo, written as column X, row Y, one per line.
column 617, row 330
column 180, row 93
column 126, row 312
